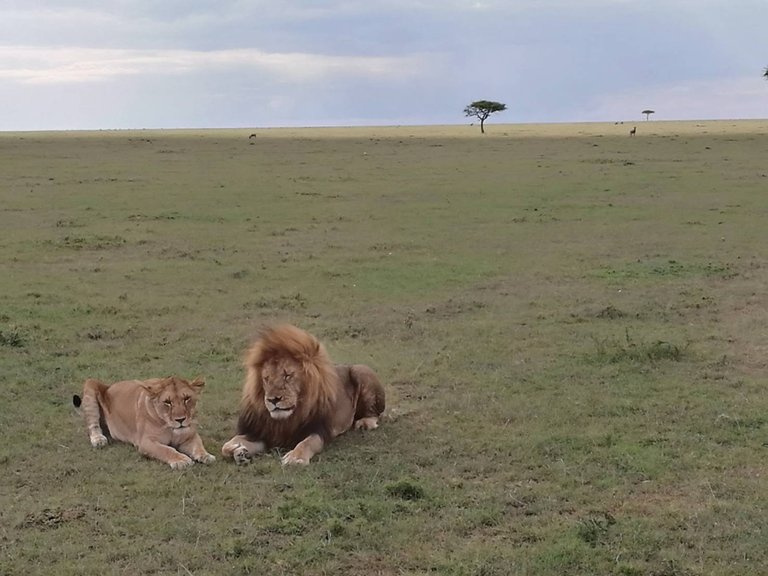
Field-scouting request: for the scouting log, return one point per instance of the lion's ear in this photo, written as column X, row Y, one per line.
column 197, row 383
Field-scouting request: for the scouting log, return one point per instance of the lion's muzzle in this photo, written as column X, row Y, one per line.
column 276, row 411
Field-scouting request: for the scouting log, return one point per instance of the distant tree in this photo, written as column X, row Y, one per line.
column 648, row 113
column 482, row 109
column 765, row 73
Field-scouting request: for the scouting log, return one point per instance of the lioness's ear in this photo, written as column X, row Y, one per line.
column 155, row 386
column 197, row 383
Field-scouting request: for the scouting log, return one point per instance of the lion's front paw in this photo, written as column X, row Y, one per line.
column 182, row 462
column 98, row 440
column 205, row 458
column 294, row 457
column 241, row 455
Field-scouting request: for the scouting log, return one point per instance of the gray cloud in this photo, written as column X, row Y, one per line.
column 145, row 63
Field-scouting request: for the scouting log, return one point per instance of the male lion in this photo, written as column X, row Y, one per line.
column 156, row 416
column 295, row 398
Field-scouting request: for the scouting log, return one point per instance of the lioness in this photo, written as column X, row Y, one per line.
column 156, row 416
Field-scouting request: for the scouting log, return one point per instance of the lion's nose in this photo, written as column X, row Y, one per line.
column 275, row 399
column 181, row 420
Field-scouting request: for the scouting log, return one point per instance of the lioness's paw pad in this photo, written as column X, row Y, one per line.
column 180, row 464
column 206, row 458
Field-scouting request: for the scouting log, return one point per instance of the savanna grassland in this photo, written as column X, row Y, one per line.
column 570, row 323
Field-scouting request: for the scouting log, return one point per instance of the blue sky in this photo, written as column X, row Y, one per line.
column 90, row 64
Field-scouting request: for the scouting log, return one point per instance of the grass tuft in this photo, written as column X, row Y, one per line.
column 615, row 351
column 611, row 312
column 12, row 338
column 95, row 242
column 593, row 529
column 406, row 490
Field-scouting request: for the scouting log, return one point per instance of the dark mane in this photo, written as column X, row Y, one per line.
column 318, row 396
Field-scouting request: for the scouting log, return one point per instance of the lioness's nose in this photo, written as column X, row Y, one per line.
column 181, row 420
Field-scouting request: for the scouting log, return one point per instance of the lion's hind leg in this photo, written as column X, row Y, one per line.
column 369, row 423
column 94, row 392
column 370, row 399
column 241, row 449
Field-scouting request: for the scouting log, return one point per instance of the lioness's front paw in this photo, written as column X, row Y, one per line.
column 241, row 455
column 182, row 462
column 294, row 457
column 98, row 440
column 205, row 458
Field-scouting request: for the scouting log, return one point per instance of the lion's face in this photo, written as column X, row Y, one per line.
column 175, row 401
column 283, row 381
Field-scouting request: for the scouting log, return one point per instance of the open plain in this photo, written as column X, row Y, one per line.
column 570, row 324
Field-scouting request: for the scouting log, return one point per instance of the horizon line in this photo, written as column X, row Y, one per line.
column 489, row 126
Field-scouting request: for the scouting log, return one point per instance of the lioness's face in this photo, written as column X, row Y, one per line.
column 175, row 401
column 282, row 386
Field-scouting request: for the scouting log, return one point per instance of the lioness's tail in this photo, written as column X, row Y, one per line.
column 94, row 397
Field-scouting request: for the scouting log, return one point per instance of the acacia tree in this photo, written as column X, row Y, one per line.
column 482, row 109
column 647, row 113
column 765, row 73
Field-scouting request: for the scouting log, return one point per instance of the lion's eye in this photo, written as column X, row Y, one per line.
column 186, row 399
column 287, row 377
column 167, row 402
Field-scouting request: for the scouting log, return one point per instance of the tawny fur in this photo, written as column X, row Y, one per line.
column 295, row 398
column 157, row 416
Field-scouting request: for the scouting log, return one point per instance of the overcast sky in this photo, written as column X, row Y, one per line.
column 83, row 64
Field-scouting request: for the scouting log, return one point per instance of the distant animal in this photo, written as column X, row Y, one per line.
column 296, row 399
column 157, row 416
column 633, row 131
column 251, row 136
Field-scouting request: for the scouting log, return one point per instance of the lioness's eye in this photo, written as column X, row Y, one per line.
column 186, row 399
column 167, row 402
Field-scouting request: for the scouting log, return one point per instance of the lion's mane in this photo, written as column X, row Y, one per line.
column 319, row 391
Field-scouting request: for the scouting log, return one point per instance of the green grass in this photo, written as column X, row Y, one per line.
column 569, row 323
